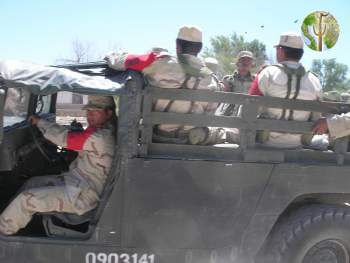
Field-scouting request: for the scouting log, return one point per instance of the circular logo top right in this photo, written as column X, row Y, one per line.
column 320, row 31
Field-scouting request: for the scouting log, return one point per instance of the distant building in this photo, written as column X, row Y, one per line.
column 70, row 104
column 66, row 97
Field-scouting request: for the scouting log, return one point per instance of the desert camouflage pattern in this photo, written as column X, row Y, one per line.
column 238, row 84
column 273, row 82
column 166, row 72
column 76, row 191
column 339, row 125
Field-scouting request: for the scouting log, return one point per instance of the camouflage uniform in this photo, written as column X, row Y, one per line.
column 76, row 191
column 339, row 125
column 169, row 72
column 275, row 81
column 176, row 76
column 238, row 84
column 166, row 72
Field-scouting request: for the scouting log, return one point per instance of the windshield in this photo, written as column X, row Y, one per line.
column 16, row 106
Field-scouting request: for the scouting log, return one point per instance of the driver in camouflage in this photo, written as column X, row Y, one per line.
column 76, row 191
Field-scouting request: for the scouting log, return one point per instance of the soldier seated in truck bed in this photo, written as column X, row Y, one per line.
column 185, row 71
column 289, row 80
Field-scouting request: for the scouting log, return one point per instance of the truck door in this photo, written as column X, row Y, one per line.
column 191, row 203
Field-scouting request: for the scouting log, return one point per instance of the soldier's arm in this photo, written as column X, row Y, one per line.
column 124, row 61
column 318, row 89
column 226, row 84
column 61, row 136
column 53, row 132
column 254, row 88
column 260, row 82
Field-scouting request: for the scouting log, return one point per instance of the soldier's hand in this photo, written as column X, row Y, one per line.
column 226, row 87
column 320, row 127
column 108, row 57
column 33, row 120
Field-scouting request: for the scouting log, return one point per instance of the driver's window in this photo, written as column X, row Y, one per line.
column 69, row 107
column 16, row 106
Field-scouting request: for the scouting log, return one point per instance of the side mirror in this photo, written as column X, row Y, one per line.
column 2, row 105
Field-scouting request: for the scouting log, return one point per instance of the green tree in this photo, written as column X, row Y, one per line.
column 331, row 74
column 226, row 48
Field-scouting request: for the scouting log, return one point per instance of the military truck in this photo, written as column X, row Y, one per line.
column 175, row 202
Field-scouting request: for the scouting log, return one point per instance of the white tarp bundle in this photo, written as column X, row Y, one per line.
column 44, row 80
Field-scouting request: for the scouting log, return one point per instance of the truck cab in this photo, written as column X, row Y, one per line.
column 175, row 202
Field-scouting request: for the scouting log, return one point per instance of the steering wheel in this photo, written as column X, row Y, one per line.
column 38, row 139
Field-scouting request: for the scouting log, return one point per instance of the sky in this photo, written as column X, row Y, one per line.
column 42, row 31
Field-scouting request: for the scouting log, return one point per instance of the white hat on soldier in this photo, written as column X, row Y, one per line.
column 291, row 39
column 212, row 64
column 159, row 49
column 190, row 33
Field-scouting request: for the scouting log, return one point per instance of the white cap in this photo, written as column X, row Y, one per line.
column 212, row 64
column 291, row 39
column 210, row 60
column 158, row 50
column 190, row 33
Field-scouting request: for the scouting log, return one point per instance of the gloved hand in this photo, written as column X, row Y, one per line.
column 33, row 120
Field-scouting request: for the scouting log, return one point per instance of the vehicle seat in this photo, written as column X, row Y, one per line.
column 68, row 225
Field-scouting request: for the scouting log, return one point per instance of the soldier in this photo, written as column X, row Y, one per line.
column 185, row 71
column 239, row 82
column 76, row 191
column 242, row 78
column 289, row 80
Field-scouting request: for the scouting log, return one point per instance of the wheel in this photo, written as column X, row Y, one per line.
column 47, row 149
column 312, row 234
column 37, row 139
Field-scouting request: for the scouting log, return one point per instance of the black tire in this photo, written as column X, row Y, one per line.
column 312, row 234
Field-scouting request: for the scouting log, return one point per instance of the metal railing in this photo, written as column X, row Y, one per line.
column 248, row 124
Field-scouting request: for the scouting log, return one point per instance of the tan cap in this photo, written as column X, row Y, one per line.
column 190, row 33
column 99, row 102
column 245, row 54
column 291, row 39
